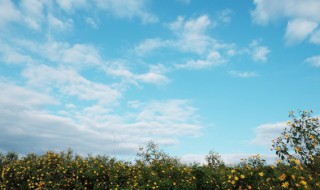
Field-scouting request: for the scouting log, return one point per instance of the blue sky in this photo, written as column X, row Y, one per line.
column 105, row 77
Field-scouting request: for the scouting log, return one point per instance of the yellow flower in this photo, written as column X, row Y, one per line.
column 232, row 171
column 297, row 149
column 293, row 176
column 311, row 137
column 297, row 162
column 285, row 184
column 303, row 182
column 278, row 148
column 261, row 174
column 242, row 176
column 287, row 136
column 249, row 187
column 282, row 177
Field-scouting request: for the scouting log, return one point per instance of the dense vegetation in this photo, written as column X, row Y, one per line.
column 298, row 167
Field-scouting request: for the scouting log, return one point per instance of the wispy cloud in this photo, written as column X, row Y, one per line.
column 298, row 30
column 191, row 37
column 303, row 17
column 8, row 12
column 231, row 158
column 128, row 9
column 76, row 55
column 314, row 61
column 59, row 25
column 69, row 82
column 258, row 52
column 150, row 45
column 71, row 5
column 212, row 59
column 264, row 134
column 243, row 74
column 191, row 33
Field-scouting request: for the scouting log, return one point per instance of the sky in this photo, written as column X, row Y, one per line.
column 108, row 76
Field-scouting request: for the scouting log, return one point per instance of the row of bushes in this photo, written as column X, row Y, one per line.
column 69, row 171
column 150, row 171
column 297, row 168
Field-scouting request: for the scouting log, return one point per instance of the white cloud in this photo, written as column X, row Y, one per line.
column 264, row 134
column 155, row 75
column 152, row 77
column 127, row 9
column 303, row 16
column 213, row 59
column 63, row 53
column 70, row 5
column 80, row 56
column 243, row 74
column 29, row 13
column 258, row 52
column 81, row 53
column 190, row 36
column 149, row 45
column 19, row 97
column 195, row 64
column 70, row 83
column 191, row 33
column 33, row 11
column 55, row 23
column 315, row 38
column 298, row 30
column 270, row 10
column 314, row 61
column 231, row 158
column 8, row 12
column 166, row 118
column 13, row 55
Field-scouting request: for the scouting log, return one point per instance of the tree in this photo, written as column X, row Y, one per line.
column 299, row 141
column 151, row 153
column 214, row 160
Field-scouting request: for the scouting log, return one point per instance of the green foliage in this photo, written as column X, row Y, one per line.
column 70, row 171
